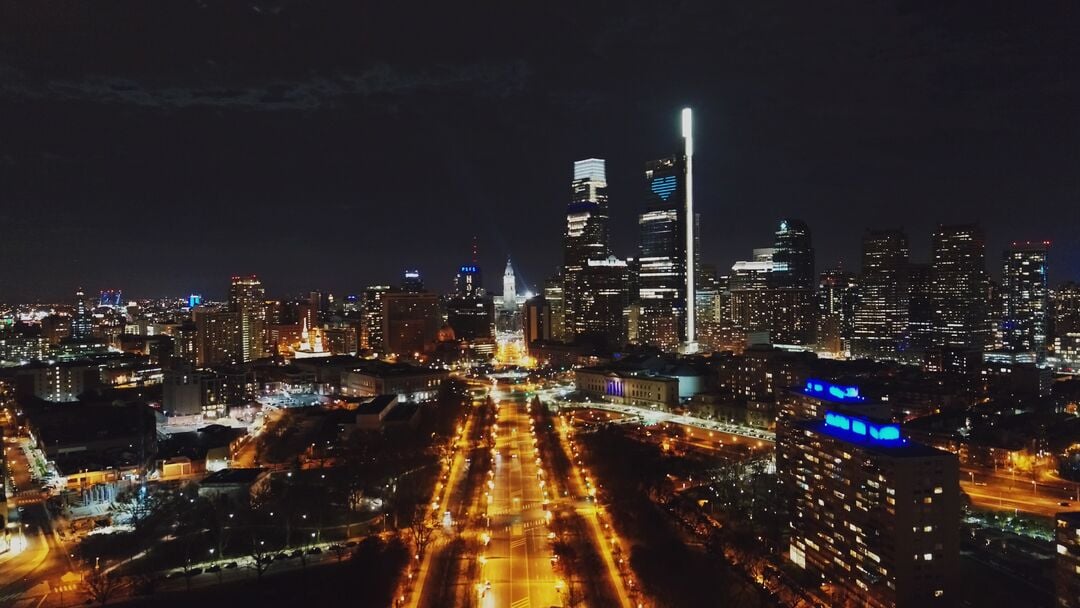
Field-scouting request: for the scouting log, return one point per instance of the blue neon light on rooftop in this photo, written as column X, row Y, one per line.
column 468, row 269
column 877, row 433
column 833, row 392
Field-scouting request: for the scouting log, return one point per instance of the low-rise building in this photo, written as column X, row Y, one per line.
column 409, row 382
column 237, row 485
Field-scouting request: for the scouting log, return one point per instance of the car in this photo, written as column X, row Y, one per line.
column 281, row 557
column 230, row 565
column 296, row 553
column 194, row 572
column 314, row 551
column 1064, row 503
column 214, row 568
column 351, row 543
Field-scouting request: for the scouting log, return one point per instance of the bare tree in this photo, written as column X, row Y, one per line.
column 101, row 586
column 261, row 557
column 421, row 529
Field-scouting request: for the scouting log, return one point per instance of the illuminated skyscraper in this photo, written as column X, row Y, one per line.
column 667, row 248
column 959, row 287
column 371, row 323
column 585, row 238
column 247, row 298
column 793, row 256
column 554, row 297
column 881, row 316
column 1025, row 298
column 468, row 282
column 82, row 324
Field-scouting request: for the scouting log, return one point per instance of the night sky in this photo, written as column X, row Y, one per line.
column 160, row 147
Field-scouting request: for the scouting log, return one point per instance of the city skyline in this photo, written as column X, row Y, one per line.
column 945, row 128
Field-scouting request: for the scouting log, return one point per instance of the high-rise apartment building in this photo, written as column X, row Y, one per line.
column 1025, row 300
column 881, row 315
column 218, row 337
column 371, row 323
column 410, row 321
column 603, row 301
column 876, row 515
column 247, row 298
column 959, row 286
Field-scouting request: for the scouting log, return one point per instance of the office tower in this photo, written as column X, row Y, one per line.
column 1024, row 295
column 247, row 298
column 667, row 250
column 793, row 256
column 836, row 298
column 876, row 515
column 467, row 282
column 881, row 316
column 194, row 300
column 709, row 311
column 412, row 282
column 585, row 238
column 662, row 255
column 82, row 323
column 920, row 324
column 371, row 326
column 536, row 319
column 219, row 337
column 472, row 317
column 603, row 301
column 410, row 321
column 958, row 286
column 554, row 297
column 1067, row 570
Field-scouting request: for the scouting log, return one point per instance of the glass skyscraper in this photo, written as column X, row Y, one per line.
column 586, row 238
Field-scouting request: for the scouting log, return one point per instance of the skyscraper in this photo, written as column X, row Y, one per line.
column 554, row 296
column 793, row 256
column 881, row 316
column 667, row 249
column 246, row 298
column 958, row 286
column 468, row 281
column 371, row 324
column 585, row 238
column 604, row 300
column 836, row 298
column 412, row 282
column 1025, row 323
column 82, row 324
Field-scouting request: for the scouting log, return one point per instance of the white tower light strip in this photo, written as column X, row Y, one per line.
column 688, row 140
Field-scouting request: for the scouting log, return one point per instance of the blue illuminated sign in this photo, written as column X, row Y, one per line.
column 194, row 300
column 833, row 391
column 664, row 186
column 468, row 269
column 882, row 433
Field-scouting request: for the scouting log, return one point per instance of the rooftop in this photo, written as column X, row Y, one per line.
column 898, row 448
column 233, row 476
column 377, row 405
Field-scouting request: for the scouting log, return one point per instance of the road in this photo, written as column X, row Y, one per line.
column 653, row 416
column 1002, row 491
column 516, row 569
column 41, row 570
